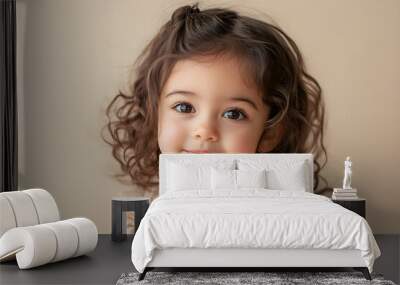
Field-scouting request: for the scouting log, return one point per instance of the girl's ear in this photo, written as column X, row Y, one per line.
column 270, row 138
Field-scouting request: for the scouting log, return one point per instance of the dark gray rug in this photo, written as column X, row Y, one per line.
column 229, row 278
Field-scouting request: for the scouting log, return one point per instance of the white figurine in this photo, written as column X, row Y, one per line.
column 347, row 174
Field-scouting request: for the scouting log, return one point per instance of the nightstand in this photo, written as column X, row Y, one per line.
column 357, row 206
column 127, row 212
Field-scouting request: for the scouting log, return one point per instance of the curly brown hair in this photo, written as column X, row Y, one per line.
column 274, row 63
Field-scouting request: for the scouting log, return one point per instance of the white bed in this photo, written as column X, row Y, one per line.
column 215, row 224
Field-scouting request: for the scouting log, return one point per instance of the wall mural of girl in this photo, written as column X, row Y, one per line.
column 215, row 81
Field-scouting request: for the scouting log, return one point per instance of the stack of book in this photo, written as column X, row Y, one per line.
column 344, row 194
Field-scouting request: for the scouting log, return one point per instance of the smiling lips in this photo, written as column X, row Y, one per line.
column 195, row 151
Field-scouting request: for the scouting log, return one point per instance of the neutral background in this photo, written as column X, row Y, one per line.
column 73, row 56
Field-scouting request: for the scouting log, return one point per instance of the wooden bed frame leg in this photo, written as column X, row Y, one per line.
column 364, row 271
column 143, row 274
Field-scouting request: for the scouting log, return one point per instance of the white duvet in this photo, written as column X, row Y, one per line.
column 251, row 218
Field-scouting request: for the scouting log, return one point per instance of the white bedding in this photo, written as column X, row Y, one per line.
column 250, row 218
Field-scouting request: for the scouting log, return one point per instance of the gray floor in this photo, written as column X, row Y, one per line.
column 111, row 259
column 389, row 262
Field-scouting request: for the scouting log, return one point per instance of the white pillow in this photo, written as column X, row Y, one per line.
column 295, row 178
column 223, row 179
column 183, row 174
column 182, row 178
column 284, row 174
column 251, row 178
column 236, row 179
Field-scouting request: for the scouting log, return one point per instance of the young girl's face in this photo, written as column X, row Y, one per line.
column 207, row 106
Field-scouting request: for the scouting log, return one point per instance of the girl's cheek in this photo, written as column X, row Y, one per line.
column 240, row 141
column 242, row 146
column 171, row 135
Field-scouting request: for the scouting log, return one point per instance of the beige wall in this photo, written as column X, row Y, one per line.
column 74, row 55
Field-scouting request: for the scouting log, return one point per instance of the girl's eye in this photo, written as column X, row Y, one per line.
column 183, row 107
column 235, row 115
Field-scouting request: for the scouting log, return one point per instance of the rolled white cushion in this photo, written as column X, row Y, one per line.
column 45, row 243
column 87, row 234
column 66, row 237
column 45, row 205
column 7, row 217
column 23, row 208
column 26, row 208
column 33, row 245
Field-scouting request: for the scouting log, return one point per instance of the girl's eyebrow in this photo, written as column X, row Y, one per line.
column 243, row 99
column 183, row 92
column 246, row 100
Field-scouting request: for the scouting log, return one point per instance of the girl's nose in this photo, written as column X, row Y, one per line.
column 207, row 131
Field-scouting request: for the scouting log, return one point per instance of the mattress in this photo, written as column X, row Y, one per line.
column 250, row 219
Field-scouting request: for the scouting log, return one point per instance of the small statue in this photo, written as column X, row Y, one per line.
column 347, row 174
